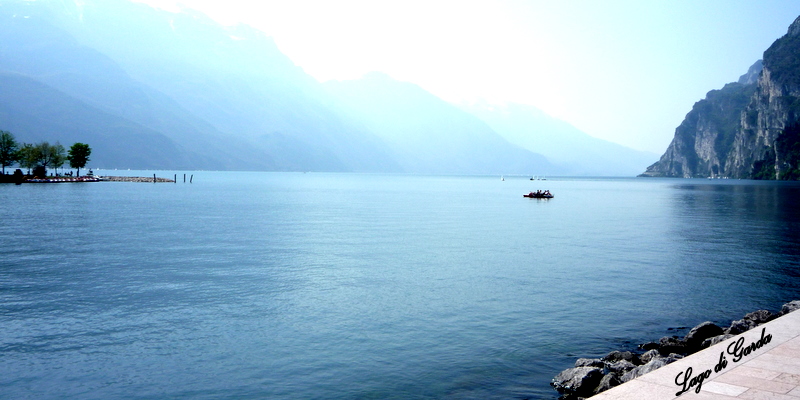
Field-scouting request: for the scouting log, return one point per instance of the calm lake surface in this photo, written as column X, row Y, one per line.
column 359, row 286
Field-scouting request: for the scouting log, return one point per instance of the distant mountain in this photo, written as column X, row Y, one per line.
column 147, row 88
column 572, row 150
column 34, row 48
column 237, row 80
column 225, row 94
column 36, row 112
column 428, row 134
column 749, row 129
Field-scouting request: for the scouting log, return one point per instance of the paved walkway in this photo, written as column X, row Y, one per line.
column 763, row 371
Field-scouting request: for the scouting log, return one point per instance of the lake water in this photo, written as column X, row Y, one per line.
column 359, row 286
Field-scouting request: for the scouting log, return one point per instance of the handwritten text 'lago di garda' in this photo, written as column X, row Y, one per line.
column 737, row 350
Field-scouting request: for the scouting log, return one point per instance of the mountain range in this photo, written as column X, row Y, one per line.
column 567, row 147
column 152, row 89
column 749, row 129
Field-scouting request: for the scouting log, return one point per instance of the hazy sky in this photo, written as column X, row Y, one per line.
column 625, row 71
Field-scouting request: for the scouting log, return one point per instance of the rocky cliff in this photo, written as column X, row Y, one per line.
column 748, row 129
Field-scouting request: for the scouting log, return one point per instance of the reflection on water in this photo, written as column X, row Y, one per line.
column 738, row 240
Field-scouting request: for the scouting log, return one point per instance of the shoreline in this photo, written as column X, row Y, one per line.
column 154, row 179
column 96, row 178
column 591, row 376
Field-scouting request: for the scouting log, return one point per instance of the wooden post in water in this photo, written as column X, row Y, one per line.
column 184, row 178
column 154, row 178
column 190, row 178
column 175, row 178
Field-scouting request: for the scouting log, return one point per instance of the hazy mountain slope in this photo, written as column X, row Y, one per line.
column 235, row 78
column 35, row 112
column 33, row 47
column 234, row 102
column 227, row 98
column 564, row 145
column 429, row 135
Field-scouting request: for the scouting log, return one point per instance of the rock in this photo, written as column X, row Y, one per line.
column 615, row 356
column 760, row 316
column 671, row 344
column 620, row 367
column 653, row 365
column 578, row 381
column 588, row 378
column 738, row 327
column 649, row 346
column 714, row 340
column 649, row 355
column 590, row 362
column 790, row 306
column 134, row 179
column 608, row 381
column 701, row 332
column 750, row 321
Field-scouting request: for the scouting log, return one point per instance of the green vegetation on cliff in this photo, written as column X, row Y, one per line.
column 782, row 58
column 788, row 149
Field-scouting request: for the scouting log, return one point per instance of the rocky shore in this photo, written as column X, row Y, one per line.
column 591, row 376
column 19, row 179
column 134, row 179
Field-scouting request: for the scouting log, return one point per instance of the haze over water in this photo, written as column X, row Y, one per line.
column 289, row 285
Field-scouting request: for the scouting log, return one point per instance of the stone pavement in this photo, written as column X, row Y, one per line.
column 760, row 364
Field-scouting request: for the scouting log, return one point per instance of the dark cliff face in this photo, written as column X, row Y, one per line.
column 746, row 130
column 703, row 141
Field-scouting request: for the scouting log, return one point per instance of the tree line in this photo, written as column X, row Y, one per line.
column 40, row 156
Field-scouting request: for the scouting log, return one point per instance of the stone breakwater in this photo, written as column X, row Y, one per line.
column 591, row 376
column 134, row 179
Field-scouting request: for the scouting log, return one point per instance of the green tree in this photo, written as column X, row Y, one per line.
column 42, row 154
column 27, row 156
column 79, row 155
column 58, row 156
column 9, row 150
column 48, row 155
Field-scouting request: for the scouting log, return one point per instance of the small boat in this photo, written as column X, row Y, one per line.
column 539, row 195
